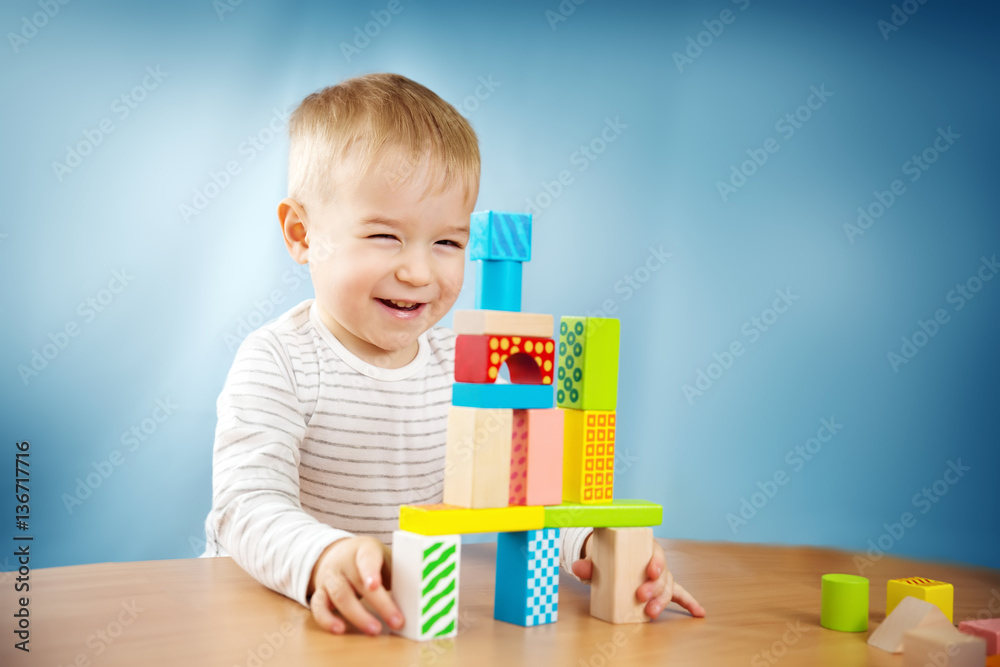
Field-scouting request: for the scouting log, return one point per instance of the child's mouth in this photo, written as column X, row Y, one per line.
column 401, row 305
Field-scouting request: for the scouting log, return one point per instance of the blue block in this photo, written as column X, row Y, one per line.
column 498, row 286
column 499, row 235
column 514, row 396
column 527, row 582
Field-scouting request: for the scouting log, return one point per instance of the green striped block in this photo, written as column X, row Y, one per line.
column 439, row 590
column 425, row 583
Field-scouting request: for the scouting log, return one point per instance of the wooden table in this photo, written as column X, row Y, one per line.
column 762, row 604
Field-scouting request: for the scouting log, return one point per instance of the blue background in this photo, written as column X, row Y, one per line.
column 193, row 285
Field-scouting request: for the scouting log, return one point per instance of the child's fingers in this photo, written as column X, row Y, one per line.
column 325, row 618
column 657, row 564
column 583, row 568
column 656, row 588
column 686, row 600
column 386, row 607
column 661, row 593
column 345, row 600
column 368, row 561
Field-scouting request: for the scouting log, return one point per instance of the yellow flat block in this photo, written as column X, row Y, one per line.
column 452, row 520
column 938, row 593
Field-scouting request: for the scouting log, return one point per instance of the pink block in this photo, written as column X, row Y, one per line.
column 545, row 456
column 988, row 629
column 519, row 459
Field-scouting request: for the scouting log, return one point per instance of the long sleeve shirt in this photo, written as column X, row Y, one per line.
column 314, row 444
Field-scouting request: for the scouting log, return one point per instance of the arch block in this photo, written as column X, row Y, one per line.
column 530, row 360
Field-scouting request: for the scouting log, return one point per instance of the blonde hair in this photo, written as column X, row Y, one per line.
column 383, row 122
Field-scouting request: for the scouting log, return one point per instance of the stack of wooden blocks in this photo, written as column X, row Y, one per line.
column 525, row 458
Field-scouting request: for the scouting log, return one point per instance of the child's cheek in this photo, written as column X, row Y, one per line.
column 451, row 288
column 451, row 284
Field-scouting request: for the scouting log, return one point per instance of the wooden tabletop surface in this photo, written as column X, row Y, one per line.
column 762, row 604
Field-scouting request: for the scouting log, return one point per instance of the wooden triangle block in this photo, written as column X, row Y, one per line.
column 909, row 614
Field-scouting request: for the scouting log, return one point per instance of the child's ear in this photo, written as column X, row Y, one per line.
column 292, row 218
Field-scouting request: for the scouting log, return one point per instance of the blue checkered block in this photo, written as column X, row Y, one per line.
column 543, row 577
column 527, row 583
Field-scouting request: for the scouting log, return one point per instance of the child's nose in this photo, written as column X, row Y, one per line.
column 415, row 268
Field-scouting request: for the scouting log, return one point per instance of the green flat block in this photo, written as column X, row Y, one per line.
column 619, row 514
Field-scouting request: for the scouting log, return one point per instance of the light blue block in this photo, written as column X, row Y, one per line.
column 500, row 235
column 514, row 396
column 527, row 577
column 498, row 286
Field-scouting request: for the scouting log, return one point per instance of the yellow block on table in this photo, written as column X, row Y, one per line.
column 938, row 593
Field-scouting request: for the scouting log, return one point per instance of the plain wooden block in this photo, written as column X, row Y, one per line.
column 477, row 457
column 909, row 614
column 988, row 629
column 503, row 323
column 425, row 584
column 942, row 646
column 620, row 557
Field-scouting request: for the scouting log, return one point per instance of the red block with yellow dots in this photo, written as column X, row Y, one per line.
column 588, row 456
column 529, row 360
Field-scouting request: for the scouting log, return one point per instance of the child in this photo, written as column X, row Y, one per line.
column 335, row 414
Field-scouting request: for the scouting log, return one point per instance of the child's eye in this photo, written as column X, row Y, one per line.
column 455, row 244
column 382, row 236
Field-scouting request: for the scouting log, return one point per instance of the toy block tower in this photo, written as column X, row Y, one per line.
column 505, row 446
column 517, row 465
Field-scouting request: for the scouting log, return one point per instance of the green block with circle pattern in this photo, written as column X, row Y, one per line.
column 588, row 363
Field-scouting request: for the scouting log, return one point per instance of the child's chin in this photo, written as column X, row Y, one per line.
column 396, row 344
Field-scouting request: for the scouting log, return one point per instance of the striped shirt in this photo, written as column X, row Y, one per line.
column 314, row 444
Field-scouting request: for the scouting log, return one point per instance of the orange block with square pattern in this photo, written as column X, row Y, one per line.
column 588, row 456
column 529, row 360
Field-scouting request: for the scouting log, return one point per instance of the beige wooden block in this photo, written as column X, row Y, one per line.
column 909, row 614
column 477, row 457
column 942, row 646
column 620, row 557
column 503, row 323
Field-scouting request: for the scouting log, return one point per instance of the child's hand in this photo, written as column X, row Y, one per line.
column 659, row 588
column 350, row 568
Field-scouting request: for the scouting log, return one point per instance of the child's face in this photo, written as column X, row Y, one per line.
column 387, row 260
